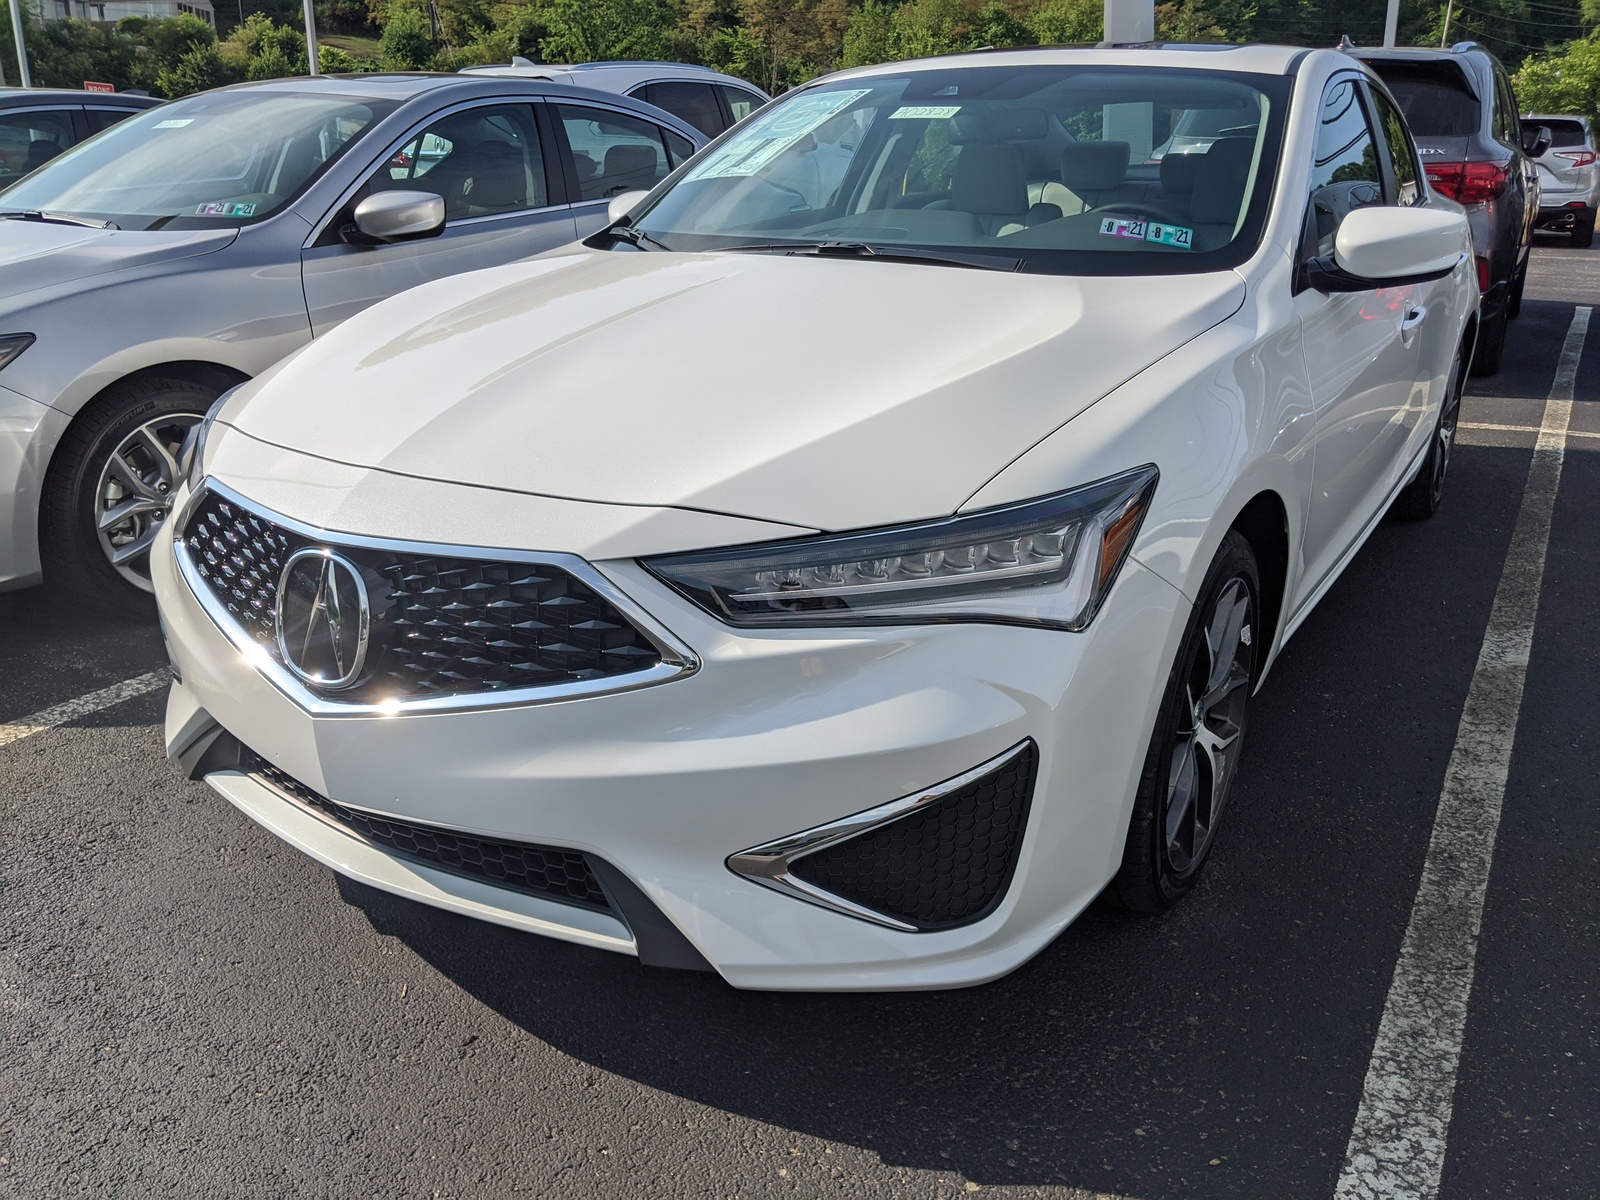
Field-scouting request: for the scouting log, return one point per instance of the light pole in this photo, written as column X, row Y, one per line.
column 1131, row 122
column 311, row 37
column 1391, row 23
column 22, row 51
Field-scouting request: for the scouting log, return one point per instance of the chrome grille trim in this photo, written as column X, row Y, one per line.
column 677, row 659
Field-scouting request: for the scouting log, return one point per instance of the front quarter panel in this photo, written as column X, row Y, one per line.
column 1225, row 418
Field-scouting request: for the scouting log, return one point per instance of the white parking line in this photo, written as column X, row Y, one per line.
column 1571, row 433
column 1397, row 1146
column 71, row 710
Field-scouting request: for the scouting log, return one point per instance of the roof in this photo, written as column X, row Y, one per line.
column 620, row 75
column 1252, row 59
column 15, row 97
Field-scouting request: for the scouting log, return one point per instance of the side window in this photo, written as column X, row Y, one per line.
column 28, row 140
column 740, row 102
column 105, row 118
column 1505, row 103
column 1344, row 173
column 1402, row 155
column 694, row 103
column 613, row 153
column 681, row 149
column 484, row 162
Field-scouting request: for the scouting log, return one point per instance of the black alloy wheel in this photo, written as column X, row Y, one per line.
column 1424, row 494
column 1199, row 735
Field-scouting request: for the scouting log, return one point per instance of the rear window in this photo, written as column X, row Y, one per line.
column 1562, row 133
column 1436, row 101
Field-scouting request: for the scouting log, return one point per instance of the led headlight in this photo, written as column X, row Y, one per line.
column 1047, row 562
column 192, row 454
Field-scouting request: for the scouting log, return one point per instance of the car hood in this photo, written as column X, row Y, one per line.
column 39, row 254
column 826, row 393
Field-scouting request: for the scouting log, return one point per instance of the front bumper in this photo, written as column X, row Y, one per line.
column 776, row 732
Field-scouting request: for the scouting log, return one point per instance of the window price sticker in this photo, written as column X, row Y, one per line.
column 1155, row 232
column 230, row 209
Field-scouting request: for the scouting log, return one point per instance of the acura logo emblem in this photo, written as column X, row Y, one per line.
column 323, row 618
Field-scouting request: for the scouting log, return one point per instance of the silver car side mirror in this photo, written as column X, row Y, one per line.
column 400, row 216
column 622, row 205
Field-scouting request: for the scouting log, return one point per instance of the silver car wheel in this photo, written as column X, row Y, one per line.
column 1206, row 744
column 134, row 494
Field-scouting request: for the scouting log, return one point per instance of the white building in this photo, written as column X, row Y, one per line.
column 115, row 10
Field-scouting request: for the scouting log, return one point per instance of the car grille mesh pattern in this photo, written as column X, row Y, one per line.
column 945, row 864
column 441, row 626
column 545, row 871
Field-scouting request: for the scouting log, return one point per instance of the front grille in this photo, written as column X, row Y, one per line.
column 943, row 865
column 441, row 625
column 545, row 871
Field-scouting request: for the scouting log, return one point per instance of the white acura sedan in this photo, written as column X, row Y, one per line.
column 844, row 568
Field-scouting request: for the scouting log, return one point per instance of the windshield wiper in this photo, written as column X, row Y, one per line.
column 34, row 214
column 984, row 262
column 634, row 237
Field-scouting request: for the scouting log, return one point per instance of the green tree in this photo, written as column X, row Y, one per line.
column 1566, row 82
column 407, row 41
column 1067, row 22
column 197, row 70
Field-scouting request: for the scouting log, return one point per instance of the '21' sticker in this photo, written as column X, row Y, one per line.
column 1148, row 231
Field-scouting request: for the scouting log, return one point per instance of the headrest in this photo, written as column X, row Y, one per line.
column 41, row 151
column 993, row 123
column 1094, row 166
column 989, row 178
column 1219, row 181
column 628, row 160
column 1178, row 173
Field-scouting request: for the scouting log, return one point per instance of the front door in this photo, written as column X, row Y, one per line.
column 1362, row 353
column 489, row 165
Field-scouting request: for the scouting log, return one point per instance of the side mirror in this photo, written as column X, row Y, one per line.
column 1536, row 141
column 400, row 216
column 1384, row 247
column 622, row 205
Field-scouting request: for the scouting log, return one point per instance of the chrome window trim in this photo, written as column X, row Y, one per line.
column 769, row 864
column 677, row 659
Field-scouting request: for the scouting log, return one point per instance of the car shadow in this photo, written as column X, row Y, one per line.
column 1218, row 1050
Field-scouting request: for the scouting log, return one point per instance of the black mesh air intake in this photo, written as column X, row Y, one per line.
column 440, row 625
column 546, row 871
column 947, row 863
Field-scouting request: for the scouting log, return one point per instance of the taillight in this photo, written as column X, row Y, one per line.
column 1469, row 183
column 1578, row 158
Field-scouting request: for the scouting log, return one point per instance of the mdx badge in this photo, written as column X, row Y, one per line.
column 323, row 618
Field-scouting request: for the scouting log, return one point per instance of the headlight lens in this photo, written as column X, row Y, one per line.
column 11, row 345
column 192, row 454
column 1048, row 562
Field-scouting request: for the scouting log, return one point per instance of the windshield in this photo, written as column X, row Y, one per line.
column 1052, row 168
column 223, row 158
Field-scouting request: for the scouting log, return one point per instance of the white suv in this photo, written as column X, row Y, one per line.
column 708, row 101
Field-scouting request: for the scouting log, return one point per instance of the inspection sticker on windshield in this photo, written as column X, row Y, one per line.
column 1170, row 235
column 924, row 112
column 175, row 123
column 766, row 137
column 1123, row 227
column 232, row 208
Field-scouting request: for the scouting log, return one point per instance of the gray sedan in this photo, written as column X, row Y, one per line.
column 185, row 250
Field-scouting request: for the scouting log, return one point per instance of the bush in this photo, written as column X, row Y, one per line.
column 407, row 41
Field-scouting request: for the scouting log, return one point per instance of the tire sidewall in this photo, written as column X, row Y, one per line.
column 1234, row 560
column 72, row 543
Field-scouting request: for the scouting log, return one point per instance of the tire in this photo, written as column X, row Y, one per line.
column 83, row 483
column 1491, row 346
column 1192, row 762
column 1583, row 231
column 1423, row 495
column 1514, row 303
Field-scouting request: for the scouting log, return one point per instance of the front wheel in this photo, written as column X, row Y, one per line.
column 1491, row 346
column 1423, row 495
column 1194, row 751
column 110, row 489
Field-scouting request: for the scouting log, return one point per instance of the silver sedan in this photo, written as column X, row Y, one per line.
column 186, row 250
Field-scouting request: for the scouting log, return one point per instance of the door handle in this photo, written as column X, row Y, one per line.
column 1413, row 321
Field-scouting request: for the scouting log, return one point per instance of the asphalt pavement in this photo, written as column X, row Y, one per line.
column 190, row 1008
